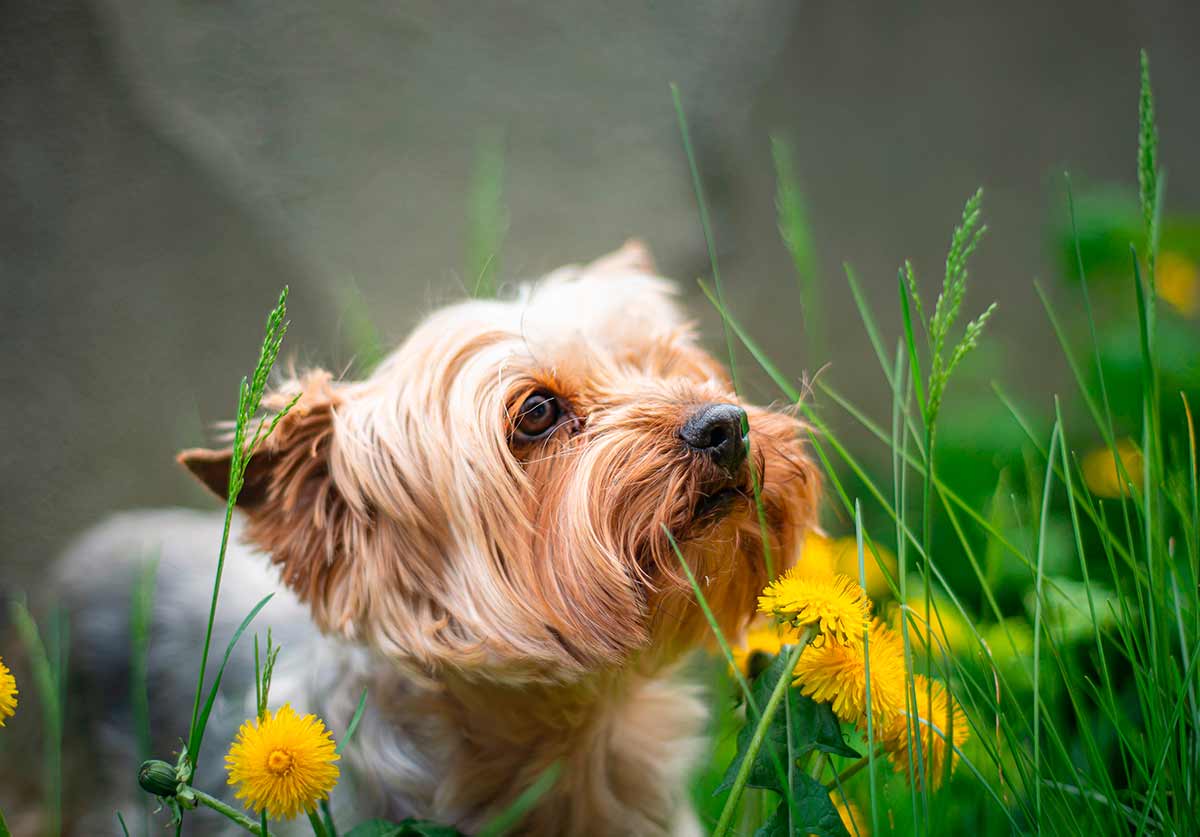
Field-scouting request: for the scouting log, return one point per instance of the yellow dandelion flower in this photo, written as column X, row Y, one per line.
column 835, row 673
column 283, row 763
column 1101, row 474
column 845, row 561
column 852, row 818
column 834, row 605
column 8, row 693
column 1177, row 281
column 896, row 735
column 762, row 639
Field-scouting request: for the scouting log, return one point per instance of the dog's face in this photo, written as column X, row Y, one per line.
column 505, row 494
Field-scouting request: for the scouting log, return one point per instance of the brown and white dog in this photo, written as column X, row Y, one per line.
column 478, row 531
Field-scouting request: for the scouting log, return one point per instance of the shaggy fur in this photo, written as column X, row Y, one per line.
column 510, row 604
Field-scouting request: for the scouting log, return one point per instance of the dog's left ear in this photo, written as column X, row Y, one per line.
column 211, row 468
column 310, row 419
column 288, row 495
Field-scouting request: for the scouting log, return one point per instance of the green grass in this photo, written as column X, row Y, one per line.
column 47, row 657
column 1096, row 725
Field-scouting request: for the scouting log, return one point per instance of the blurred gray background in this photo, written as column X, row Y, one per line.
column 167, row 165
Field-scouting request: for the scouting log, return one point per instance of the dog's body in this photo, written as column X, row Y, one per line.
column 450, row 752
column 483, row 536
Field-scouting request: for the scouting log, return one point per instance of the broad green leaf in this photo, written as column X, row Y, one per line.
column 814, row 727
column 814, row 809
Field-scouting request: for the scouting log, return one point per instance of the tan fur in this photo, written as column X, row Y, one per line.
column 530, row 587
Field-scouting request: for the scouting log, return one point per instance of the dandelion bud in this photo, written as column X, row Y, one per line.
column 158, row 777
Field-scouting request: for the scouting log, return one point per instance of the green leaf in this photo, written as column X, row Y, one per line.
column 404, row 828
column 815, row 812
column 198, row 737
column 910, row 338
column 511, row 817
column 814, row 727
column 350, row 730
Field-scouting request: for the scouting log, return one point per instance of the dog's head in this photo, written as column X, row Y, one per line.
column 514, row 490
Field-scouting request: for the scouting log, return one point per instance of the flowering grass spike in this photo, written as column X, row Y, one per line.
column 283, row 764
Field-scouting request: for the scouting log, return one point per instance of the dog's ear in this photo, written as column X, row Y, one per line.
column 632, row 257
column 308, row 419
column 211, row 468
column 288, row 493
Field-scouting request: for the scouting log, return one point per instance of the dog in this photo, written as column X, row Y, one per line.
column 487, row 534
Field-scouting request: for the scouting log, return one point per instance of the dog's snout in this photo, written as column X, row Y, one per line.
column 717, row 430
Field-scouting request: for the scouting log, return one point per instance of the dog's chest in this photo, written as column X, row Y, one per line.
column 431, row 752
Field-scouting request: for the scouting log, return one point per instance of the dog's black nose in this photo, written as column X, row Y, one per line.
column 717, row 430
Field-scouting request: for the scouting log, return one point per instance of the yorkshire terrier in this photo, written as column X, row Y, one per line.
column 488, row 534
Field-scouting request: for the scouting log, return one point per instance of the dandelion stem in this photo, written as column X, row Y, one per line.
column 818, row 766
column 327, row 815
column 317, row 825
column 854, row 769
column 760, row 734
column 226, row 811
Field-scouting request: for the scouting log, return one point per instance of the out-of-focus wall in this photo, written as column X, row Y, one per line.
column 166, row 166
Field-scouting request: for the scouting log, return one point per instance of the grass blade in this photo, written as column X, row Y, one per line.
column 354, row 721
column 751, row 704
column 862, row 581
column 487, row 215
column 197, row 739
column 1055, row 435
column 868, row 320
column 794, row 229
column 705, row 225
column 760, row 732
column 910, row 343
column 47, row 677
column 511, row 817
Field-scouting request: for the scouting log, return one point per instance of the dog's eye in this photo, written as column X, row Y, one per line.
column 539, row 414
